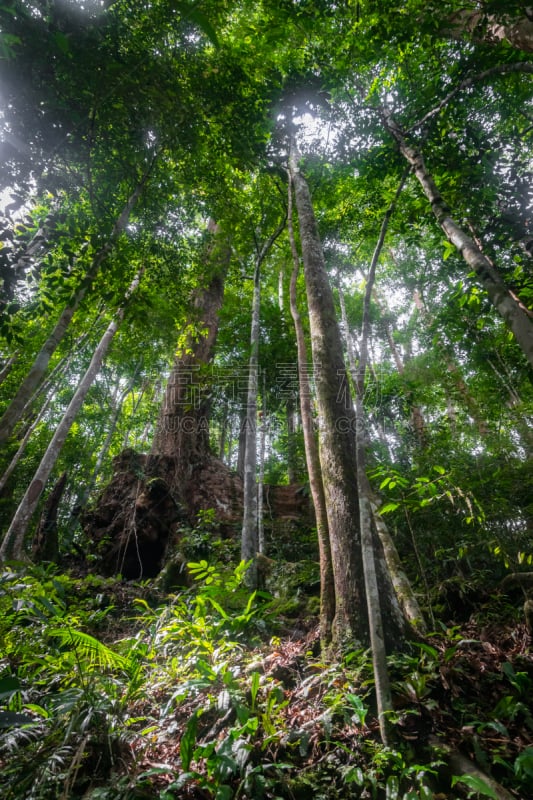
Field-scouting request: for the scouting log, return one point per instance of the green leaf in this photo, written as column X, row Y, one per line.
column 477, row 784
column 449, row 248
column 62, row 43
column 188, row 741
column 388, row 507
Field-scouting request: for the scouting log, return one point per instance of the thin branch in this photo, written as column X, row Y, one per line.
column 500, row 69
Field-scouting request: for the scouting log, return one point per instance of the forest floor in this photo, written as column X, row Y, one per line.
column 126, row 693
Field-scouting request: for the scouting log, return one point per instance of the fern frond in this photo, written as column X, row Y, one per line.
column 88, row 648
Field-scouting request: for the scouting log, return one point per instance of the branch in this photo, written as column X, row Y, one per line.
column 500, row 69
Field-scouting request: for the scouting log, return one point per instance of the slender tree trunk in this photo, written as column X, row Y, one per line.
column 377, row 638
column 54, row 376
column 224, row 426
column 250, row 534
column 45, row 542
column 402, row 585
column 50, row 387
column 241, row 444
column 502, row 299
column 327, row 584
column 292, row 468
column 40, row 365
column 348, row 338
column 249, row 537
column 417, row 417
column 24, row 441
column 13, row 542
column 8, row 366
column 336, row 428
column 261, row 544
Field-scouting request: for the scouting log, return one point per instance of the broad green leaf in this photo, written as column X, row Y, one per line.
column 477, row 784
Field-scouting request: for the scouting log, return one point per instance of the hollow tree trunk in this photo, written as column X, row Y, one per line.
column 13, row 542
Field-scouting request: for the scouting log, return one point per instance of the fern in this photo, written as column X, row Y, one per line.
column 89, row 649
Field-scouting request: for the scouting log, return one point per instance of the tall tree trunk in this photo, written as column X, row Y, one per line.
column 375, row 610
column 250, row 534
column 502, row 299
column 13, row 542
column 402, row 585
column 292, row 466
column 261, row 544
column 182, row 430
column 336, row 428
column 24, row 441
column 327, row 585
column 40, row 365
column 241, row 442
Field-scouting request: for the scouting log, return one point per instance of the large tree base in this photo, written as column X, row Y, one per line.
column 139, row 519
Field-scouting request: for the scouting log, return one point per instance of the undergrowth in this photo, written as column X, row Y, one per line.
column 113, row 691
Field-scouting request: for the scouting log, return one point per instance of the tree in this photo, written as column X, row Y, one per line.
column 250, row 522
column 337, row 425
column 327, row 585
column 13, row 541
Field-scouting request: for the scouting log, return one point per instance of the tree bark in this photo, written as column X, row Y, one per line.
column 182, row 430
column 374, row 605
column 40, row 365
column 484, row 27
column 8, row 366
column 327, row 584
column 336, row 428
column 250, row 533
column 402, row 585
column 45, row 542
column 292, row 466
column 13, row 542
